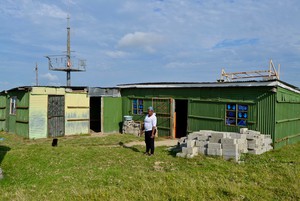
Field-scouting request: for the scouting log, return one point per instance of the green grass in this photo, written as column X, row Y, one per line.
column 96, row 168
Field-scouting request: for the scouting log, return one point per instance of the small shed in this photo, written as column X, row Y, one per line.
column 45, row 111
column 270, row 106
column 105, row 109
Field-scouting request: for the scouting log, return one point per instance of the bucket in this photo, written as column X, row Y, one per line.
column 127, row 118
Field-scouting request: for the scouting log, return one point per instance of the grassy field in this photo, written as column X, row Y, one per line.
column 97, row 168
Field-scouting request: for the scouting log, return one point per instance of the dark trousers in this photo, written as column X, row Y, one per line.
column 149, row 142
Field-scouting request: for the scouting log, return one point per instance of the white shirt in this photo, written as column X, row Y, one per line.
column 150, row 122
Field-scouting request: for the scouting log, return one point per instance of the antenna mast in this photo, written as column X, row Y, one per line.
column 64, row 62
column 36, row 75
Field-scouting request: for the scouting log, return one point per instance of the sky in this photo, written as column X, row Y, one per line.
column 130, row 41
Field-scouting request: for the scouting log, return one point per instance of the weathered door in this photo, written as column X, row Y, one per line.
column 56, row 116
column 162, row 108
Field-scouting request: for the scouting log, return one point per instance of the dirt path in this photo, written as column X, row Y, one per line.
column 166, row 142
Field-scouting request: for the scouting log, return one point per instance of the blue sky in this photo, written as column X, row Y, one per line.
column 129, row 41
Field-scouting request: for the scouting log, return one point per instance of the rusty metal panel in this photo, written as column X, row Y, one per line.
column 56, row 115
column 77, row 113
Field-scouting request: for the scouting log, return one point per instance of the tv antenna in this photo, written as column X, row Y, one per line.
column 66, row 63
column 269, row 74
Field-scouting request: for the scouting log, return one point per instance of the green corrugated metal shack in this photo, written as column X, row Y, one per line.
column 271, row 107
column 40, row 112
column 105, row 109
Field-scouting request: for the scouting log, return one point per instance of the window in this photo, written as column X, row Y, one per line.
column 137, row 106
column 13, row 105
column 236, row 115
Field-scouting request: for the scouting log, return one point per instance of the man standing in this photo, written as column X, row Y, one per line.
column 150, row 130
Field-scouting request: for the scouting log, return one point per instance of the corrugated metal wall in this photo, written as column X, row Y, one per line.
column 112, row 114
column 287, row 117
column 207, row 106
column 38, row 115
column 22, row 117
column 77, row 113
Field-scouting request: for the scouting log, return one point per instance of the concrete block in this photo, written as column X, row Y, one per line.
column 219, row 135
column 253, row 132
column 206, row 132
column 214, row 152
column 243, row 130
column 201, row 143
column 185, row 150
column 182, row 155
column 237, row 136
column 202, row 138
column 191, row 143
column 192, row 150
column 214, row 145
column 192, row 136
column 215, row 140
column 230, row 147
column 235, row 158
column 228, row 141
column 202, row 150
column 255, row 151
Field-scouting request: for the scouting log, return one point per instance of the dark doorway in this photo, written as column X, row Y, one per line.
column 56, row 116
column 95, row 114
column 181, row 109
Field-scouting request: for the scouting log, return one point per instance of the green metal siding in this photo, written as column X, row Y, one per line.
column 112, row 114
column 287, row 117
column 3, row 112
column 18, row 123
column 206, row 108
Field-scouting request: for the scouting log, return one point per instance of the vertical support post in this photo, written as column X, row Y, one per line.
column 69, row 64
column 36, row 75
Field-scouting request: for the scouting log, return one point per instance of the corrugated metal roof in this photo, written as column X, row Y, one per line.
column 253, row 83
column 28, row 88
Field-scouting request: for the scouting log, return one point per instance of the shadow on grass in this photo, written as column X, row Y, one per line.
column 126, row 147
column 3, row 151
column 172, row 151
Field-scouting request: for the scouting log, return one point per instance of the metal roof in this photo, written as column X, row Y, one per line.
column 29, row 88
column 253, row 83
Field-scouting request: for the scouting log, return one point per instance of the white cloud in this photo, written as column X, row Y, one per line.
column 116, row 54
column 50, row 77
column 144, row 40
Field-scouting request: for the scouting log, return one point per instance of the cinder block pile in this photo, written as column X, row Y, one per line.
column 228, row 145
column 131, row 127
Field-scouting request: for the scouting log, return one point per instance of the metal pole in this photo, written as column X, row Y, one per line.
column 36, row 75
column 68, row 78
column 69, row 64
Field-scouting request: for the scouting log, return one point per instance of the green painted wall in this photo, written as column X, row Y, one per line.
column 18, row 123
column 207, row 106
column 3, row 112
column 112, row 114
column 287, row 117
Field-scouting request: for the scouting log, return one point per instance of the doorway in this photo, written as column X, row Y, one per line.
column 181, row 111
column 56, row 116
column 95, row 114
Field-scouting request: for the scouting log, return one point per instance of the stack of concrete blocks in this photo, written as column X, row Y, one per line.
column 131, row 127
column 258, row 143
column 228, row 145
